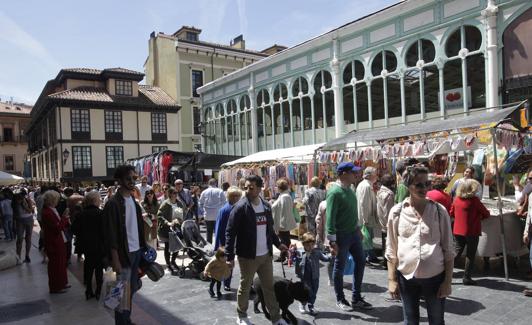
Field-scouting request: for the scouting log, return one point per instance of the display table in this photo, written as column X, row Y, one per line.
column 489, row 243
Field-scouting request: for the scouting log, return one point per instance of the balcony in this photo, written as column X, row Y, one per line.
column 13, row 140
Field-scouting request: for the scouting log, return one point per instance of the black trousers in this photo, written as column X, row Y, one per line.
column 93, row 264
column 218, row 285
column 167, row 254
column 471, row 243
column 210, row 230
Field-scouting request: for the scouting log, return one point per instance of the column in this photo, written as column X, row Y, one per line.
column 339, row 125
column 370, row 107
column 254, row 120
column 490, row 22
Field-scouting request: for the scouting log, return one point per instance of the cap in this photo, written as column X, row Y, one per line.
column 346, row 167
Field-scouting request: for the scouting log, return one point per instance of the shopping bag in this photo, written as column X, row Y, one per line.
column 114, row 295
column 367, row 241
column 174, row 243
column 349, row 268
column 109, row 282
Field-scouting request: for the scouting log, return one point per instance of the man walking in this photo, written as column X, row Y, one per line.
column 344, row 236
column 250, row 235
column 124, row 233
column 185, row 197
column 210, row 202
column 143, row 187
column 367, row 207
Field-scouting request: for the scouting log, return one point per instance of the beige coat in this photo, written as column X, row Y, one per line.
column 283, row 213
column 217, row 269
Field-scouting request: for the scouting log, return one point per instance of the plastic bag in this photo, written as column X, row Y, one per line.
column 109, row 282
column 349, row 268
column 367, row 242
column 296, row 215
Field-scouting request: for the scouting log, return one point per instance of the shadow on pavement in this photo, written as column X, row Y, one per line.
column 154, row 310
column 367, row 287
column 500, row 285
column 462, row 307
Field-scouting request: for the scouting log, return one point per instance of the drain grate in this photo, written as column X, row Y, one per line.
column 23, row 310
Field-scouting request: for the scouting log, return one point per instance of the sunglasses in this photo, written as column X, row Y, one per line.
column 530, row 178
column 423, row 185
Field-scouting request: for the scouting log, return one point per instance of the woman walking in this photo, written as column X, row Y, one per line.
column 467, row 211
column 54, row 243
column 419, row 250
column 151, row 207
column 91, row 241
column 283, row 213
column 170, row 214
column 23, row 212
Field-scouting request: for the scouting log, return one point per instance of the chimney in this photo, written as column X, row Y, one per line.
column 238, row 42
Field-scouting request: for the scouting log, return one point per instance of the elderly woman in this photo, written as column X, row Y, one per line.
column 419, row 250
column 170, row 214
column 54, row 243
column 283, row 213
column 91, row 240
column 468, row 211
column 233, row 195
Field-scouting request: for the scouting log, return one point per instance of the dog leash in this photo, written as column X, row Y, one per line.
column 282, row 267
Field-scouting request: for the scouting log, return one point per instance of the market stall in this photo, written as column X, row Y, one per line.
column 483, row 137
column 192, row 167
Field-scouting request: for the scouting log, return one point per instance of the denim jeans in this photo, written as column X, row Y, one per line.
column 130, row 273
column 8, row 227
column 348, row 244
column 411, row 290
column 313, row 285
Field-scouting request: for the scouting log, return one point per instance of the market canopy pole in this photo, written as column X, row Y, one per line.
column 499, row 202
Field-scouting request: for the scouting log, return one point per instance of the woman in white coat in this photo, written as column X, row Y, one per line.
column 283, row 213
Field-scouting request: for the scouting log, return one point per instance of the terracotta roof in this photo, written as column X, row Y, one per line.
column 15, row 108
column 123, row 70
column 83, row 70
column 148, row 96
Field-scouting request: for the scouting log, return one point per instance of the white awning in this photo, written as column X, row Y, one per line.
column 295, row 154
column 10, row 179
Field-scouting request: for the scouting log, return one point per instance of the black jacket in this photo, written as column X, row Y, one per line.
column 114, row 214
column 241, row 231
column 88, row 227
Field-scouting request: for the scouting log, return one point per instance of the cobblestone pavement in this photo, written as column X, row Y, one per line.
column 173, row 300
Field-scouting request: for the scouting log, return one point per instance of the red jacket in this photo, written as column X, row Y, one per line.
column 52, row 227
column 442, row 198
column 467, row 214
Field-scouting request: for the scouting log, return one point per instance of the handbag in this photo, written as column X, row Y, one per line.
column 367, row 242
column 174, row 243
column 295, row 212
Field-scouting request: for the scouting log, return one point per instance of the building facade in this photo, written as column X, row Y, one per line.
column 180, row 63
column 88, row 121
column 14, row 118
column 412, row 61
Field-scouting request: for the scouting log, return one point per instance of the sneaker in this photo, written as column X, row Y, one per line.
column 302, row 308
column 361, row 304
column 219, row 295
column 27, row 260
column 344, row 305
column 227, row 288
column 243, row 321
column 280, row 322
column 211, row 293
column 312, row 310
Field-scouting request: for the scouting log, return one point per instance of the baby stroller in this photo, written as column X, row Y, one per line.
column 196, row 248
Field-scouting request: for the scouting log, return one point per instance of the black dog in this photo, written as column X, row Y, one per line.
column 286, row 292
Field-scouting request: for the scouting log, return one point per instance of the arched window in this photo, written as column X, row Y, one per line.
column 231, row 123
column 422, row 49
column 383, row 60
column 264, row 118
column 219, row 127
column 281, row 110
column 245, row 124
column 323, row 101
column 350, row 99
column 468, row 37
column 301, row 109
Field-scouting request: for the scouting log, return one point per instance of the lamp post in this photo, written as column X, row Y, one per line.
column 66, row 154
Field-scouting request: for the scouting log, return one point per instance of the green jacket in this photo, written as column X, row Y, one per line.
column 342, row 215
column 402, row 193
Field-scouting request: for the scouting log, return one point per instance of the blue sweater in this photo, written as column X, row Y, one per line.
column 221, row 224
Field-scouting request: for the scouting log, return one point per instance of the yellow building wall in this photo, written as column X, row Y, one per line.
column 145, row 126
column 65, row 123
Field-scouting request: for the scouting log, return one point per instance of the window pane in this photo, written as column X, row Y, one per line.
column 124, row 87
column 197, row 81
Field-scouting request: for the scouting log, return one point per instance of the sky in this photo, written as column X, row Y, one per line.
column 38, row 38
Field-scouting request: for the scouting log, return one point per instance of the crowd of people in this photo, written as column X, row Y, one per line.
column 423, row 231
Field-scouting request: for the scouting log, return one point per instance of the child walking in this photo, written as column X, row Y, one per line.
column 217, row 270
column 308, row 270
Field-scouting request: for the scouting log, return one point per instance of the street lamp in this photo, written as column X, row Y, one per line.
column 66, row 153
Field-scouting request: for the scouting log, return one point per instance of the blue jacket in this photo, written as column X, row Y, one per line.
column 241, row 231
column 221, row 225
column 314, row 258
